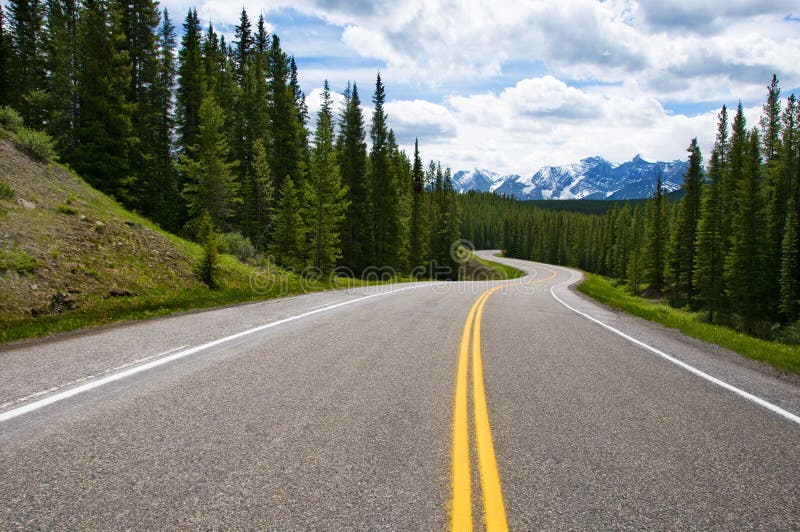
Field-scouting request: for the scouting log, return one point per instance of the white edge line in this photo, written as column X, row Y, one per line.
column 750, row 397
column 36, row 405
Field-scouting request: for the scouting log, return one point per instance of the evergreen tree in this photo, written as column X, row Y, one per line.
column 385, row 208
column 737, row 153
column 420, row 235
column 190, row 92
column 210, row 185
column 6, row 61
column 747, row 258
column 258, row 196
column 635, row 267
column 104, row 132
column 325, row 195
column 140, row 22
column 244, row 45
column 654, row 252
column 286, row 150
column 681, row 248
column 789, row 306
column 28, row 64
column 775, row 193
column 163, row 187
column 709, row 260
column 357, row 234
column 288, row 246
column 62, row 68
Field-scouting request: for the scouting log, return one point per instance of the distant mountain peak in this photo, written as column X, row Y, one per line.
column 590, row 178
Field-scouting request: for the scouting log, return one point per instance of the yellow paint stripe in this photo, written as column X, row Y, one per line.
column 461, row 507
column 493, row 508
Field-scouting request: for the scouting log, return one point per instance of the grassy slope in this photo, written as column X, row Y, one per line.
column 508, row 272
column 781, row 356
column 71, row 257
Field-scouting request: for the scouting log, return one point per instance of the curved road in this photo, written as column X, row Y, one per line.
column 362, row 410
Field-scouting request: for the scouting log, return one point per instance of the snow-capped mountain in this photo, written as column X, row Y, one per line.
column 591, row 178
column 478, row 179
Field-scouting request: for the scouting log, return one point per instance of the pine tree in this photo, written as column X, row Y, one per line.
column 747, row 257
column 140, row 22
column 258, row 197
column 288, row 246
column 210, row 185
column 6, row 61
column 654, row 252
column 789, row 306
column 62, row 68
column 286, row 151
column 709, row 261
column 190, row 91
column 163, row 189
column 104, row 132
column 681, row 248
column 244, row 45
column 775, row 193
column 635, row 267
column 28, row 65
column 420, row 234
column 357, row 234
column 385, row 212
column 326, row 197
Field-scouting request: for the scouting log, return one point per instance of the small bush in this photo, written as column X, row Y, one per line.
column 208, row 268
column 11, row 119
column 6, row 192
column 38, row 142
column 66, row 209
column 18, row 261
column 788, row 334
column 239, row 245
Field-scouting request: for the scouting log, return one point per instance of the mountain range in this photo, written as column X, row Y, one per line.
column 591, row 178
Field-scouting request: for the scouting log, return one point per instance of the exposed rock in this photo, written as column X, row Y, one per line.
column 26, row 204
column 116, row 292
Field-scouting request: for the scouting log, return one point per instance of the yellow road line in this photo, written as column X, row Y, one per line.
column 493, row 509
column 461, row 506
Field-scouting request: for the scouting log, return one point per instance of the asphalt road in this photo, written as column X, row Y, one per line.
column 338, row 413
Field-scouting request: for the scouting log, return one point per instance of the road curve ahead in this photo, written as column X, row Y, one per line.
column 413, row 407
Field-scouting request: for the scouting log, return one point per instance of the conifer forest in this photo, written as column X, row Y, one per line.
column 196, row 131
column 727, row 248
column 207, row 130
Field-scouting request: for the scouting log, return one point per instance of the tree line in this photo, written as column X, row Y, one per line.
column 207, row 131
column 729, row 248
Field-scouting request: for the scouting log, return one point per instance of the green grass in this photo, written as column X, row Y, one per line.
column 236, row 288
column 781, row 356
column 507, row 272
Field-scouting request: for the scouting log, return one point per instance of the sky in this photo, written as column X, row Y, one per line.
column 514, row 85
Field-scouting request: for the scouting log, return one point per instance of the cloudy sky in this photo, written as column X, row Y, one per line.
column 514, row 85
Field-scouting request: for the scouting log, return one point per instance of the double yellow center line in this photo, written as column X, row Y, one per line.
column 493, row 507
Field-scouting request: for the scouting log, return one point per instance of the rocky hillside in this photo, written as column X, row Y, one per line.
column 63, row 245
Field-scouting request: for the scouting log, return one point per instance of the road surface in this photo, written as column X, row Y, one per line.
column 371, row 408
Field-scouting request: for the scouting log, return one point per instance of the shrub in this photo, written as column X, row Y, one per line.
column 38, row 142
column 6, row 192
column 208, row 269
column 66, row 209
column 239, row 245
column 11, row 119
column 18, row 261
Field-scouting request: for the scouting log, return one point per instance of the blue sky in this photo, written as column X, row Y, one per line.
column 515, row 85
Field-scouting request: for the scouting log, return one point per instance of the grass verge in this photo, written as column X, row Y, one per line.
column 241, row 284
column 505, row 271
column 781, row 356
